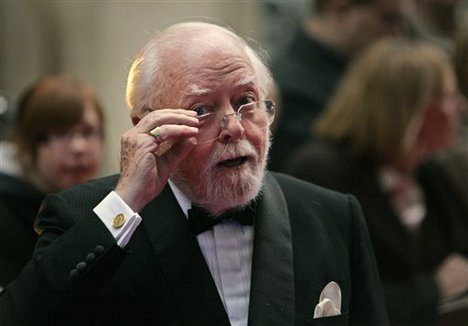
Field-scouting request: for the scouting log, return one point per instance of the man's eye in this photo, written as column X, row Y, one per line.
column 201, row 110
column 246, row 99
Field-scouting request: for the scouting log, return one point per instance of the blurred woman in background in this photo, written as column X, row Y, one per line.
column 397, row 106
column 57, row 144
column 456, row 159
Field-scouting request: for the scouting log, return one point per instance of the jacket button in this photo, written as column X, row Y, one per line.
column 99, row 250
column 81, row 266
column 74, row 274
column 90, row 258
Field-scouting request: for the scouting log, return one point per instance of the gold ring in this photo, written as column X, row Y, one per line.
column 155, row 132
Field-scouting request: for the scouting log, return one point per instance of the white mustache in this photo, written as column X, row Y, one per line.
column 223, row 152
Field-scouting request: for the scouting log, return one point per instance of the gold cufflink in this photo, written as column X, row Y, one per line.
column 118, row 221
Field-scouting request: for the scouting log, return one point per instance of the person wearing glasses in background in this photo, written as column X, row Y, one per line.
column 194, row 230
column 57, row 144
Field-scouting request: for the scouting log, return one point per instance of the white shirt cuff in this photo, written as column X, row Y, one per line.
column 118, row 217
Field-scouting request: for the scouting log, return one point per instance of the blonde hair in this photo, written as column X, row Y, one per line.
column 378, row 106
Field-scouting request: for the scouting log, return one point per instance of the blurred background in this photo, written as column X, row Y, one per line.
column 96, row 41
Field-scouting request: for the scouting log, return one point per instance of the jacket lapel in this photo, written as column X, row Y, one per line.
column 272, row 284
column 182, row 261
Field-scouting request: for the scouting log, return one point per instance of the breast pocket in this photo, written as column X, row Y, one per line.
column 326, row 321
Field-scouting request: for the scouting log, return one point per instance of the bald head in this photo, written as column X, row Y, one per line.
column 180, row 50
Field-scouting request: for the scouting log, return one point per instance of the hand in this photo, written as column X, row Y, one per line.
column 143, row 174
column 452, row 276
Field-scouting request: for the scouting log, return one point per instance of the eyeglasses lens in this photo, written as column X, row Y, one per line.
column 255, row 115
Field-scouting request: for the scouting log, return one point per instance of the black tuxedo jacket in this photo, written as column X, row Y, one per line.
column 305, row 237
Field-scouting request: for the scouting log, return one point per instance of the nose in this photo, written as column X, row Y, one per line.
column 78, row 142
column 231, row 128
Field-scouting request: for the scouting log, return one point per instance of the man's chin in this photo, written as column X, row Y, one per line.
column 219, row 188
column 235, row 189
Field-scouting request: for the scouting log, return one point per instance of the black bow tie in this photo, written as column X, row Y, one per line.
column 200, row 219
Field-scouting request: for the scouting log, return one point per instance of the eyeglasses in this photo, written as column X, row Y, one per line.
column 254, row 115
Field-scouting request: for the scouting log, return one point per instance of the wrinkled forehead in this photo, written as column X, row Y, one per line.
column 205, row 64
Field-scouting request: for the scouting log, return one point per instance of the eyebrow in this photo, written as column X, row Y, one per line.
column 195, row 90
column 246, row 81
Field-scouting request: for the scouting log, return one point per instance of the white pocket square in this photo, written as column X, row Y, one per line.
column 329, row 301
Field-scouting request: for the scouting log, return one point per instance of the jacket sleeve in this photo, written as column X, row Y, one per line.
column 74, row 256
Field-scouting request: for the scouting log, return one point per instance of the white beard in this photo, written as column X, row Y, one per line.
column 218, row 189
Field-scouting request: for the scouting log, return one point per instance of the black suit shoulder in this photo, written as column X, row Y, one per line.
column 299, row 190
column 308, row 199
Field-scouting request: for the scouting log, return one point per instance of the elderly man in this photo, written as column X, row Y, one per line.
column 134, row 248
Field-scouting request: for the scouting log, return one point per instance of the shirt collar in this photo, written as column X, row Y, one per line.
column 184, row 202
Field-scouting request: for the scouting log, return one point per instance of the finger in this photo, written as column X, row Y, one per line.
column 167, row 116
column 156, row 133
column 172, row 132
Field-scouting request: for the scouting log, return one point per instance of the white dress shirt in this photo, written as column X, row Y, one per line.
column 227, row 249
